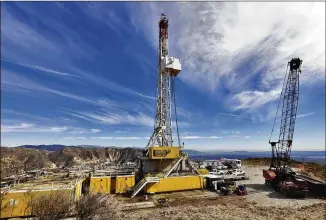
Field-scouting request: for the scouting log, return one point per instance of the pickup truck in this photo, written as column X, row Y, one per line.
column 236, row 174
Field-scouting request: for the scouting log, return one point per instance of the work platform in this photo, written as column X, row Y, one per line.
column 167, row 169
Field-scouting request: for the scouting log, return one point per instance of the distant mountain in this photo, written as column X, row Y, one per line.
column 193, row 152
column 53, row 147
column 57, row 147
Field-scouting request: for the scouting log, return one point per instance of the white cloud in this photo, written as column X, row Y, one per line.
column 93, row 130
column 247, row 137
column 247, row 52
column 305, row 115
column 121, row 118
column 117, row 138
column 10, row 128
column 127, row 138
column 34, row 128
column 41, row 68
column 200, row 137
column 103, row 138
column 253, row 99
column 25, row 127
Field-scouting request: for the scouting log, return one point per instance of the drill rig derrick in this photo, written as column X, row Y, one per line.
column 168, row 68
column 279, row 171
column 163, row 166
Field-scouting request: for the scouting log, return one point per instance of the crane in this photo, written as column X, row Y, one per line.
column 281, row 149
column 279, row 171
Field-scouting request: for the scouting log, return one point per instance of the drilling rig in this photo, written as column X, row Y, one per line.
column 280, row 176
column 164, row 167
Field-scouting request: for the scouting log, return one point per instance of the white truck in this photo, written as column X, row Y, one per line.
column 236, row 174
column 234, row 162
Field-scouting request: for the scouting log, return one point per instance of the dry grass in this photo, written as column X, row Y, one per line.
column 230, row 211
column 97, row 206
column 54, row 205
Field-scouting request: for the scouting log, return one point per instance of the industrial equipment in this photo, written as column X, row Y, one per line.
column 280, row 176
column 164, row 167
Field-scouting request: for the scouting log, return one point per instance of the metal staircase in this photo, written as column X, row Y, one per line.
column 142, row 183
column 166, row 172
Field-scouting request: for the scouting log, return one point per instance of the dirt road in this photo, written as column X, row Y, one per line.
column 265, row 196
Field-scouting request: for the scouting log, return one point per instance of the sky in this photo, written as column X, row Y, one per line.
column 85, row 73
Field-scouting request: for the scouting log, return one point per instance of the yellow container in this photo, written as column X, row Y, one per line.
column 78, row 189
column 124, row 183
column 101, row 184
column 171, row 184
column 164, row 152
column 15, row 203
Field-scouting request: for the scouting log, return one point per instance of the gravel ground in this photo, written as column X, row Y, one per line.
column 265, row 196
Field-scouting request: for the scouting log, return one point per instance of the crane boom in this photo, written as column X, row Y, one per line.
column 281, row 149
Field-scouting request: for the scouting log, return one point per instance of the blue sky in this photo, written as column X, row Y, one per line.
column 85, row 73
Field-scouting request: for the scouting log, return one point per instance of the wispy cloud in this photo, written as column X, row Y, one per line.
column 222, row 56
column 247, row 137
column 22, row 43
column 121, row 118
column 25, row 127
column 253, row 99
column 42, row 69
column 12, row 80
column 73, row 138
column 35, row 128
column 118, row 138
column 200, row 137
column 22, row 114
column 305, row 115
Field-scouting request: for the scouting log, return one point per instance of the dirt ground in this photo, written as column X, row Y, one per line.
column 260, row 203
column 265, row 196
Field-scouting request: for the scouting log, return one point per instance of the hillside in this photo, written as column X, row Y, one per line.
column 70, row 156
column 15, row 160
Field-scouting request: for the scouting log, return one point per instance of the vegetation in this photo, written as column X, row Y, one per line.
column 54, row 205
column 97, row 205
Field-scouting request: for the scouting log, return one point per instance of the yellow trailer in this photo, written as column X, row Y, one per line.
column 16, row 203
column 100, row 184
column 170, row 184
column 124, row 183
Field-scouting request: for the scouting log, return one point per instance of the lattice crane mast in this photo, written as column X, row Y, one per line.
column 281, row 149
column 168, row 68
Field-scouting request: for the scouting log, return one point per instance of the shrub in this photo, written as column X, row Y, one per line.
column 53, row 205
column 97, row 206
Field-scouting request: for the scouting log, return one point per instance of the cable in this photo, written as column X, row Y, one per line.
column 279, row 101
column 53, row 142
column 175, row 110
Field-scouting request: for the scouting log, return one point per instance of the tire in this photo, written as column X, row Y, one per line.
column 285, row 192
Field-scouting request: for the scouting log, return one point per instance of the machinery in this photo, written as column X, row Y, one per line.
column 280, row 176
column 164, row 167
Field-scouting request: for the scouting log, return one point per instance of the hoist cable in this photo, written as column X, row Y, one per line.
column 175, row 110
column 279, row 101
